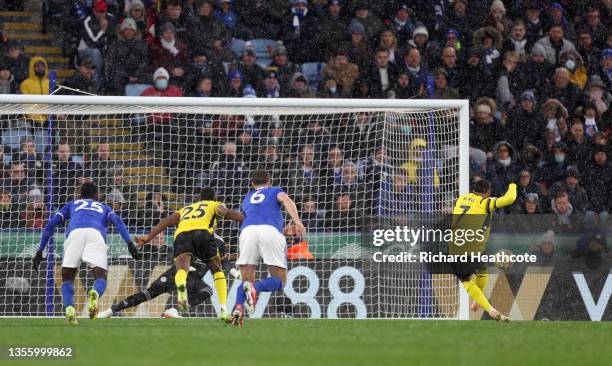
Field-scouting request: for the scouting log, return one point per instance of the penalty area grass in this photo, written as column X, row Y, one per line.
column 134, row 342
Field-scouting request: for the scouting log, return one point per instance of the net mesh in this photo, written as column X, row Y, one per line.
column 344, row 167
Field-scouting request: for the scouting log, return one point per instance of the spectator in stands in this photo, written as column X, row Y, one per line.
column 169, row 53
column 381, row 75
column 441, row 88
column 456, row 19
column 9, row 212
column 329, row 88
column 250, row 14
column 127, row 60
column 120, row 187
column 536, row 25
column 358, row 47
column 556, row 18
column 247, row 147
column 38, row 79
column 562, row 90
column 154, row 209
column 556, row 168
column 565, row 219
column 8, row 84
column 227, row 172
column 203, row 29
column 145, row 24
column 33, row 161
column 284, row 68
column 332, row 28
column 524, row 124
column 100, row 165
column 174, row 15
column 474, row 82
column 402, row 23
column 395, row 196
column 485, row 129
column 305, row 179
column 545, row 248
column 18, row 183
column 490, row 41
column 205, row 88
column 203, row 67
column 312, row 217
column 371, row 23
column 599, row 183
column 271, row 88
column 161, row 88
column 450, row 67
column 428, row 48
column 502, row 169
column 220, row 52
column 83, row 80
column 517, row 41
column 66, row 173
column 272, row 161
column 16, row 61
column 96, row 34
column 35, row 214
column 299, row 87
column 226, row 15
column 577, row 194
column 592, row 246
column 344, row 72
column 497, row 17
column 251, row 72
column 554, row 44
column 605, row 68
column 526, row 186
column 404, row 89
column 531, row 205
column 572, row 61
column 592, row 121
column 412, row 64
column 598, row 30
column 539, row 70
column 508, row 83
column 590, row 54
column 236, row 88
column 579, row 145
column 117, row 202
column 343, row 216
column 530, row 158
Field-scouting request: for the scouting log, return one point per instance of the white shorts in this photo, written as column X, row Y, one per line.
column 262, row 241
column 87, row 245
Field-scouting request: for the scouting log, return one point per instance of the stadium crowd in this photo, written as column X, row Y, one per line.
column 537, row 74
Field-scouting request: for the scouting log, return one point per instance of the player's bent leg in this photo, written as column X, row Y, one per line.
column 480, row 279
column 98, row 290
column 68, row 275
column 182, row 262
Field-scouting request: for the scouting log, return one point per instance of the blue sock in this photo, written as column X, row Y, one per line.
column 240, row 296
column 100, row 285
column 269, row 284
column 67, row 294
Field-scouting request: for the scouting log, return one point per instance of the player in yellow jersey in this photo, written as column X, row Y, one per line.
column 480, row 206
column 194, row 237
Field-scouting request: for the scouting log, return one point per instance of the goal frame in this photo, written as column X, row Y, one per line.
column 377, row 104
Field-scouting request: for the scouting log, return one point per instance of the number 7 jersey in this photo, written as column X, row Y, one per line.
column 201, row 215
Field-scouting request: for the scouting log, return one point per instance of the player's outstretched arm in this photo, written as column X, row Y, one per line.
column 171, row 220
column 291, row 208
column 507, row 199
column 54, row 221
column 125, row 235
column 230, row 214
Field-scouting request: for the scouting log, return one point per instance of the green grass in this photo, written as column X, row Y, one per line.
column 183, row 342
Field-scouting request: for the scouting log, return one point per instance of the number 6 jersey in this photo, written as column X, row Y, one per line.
column 261, row 207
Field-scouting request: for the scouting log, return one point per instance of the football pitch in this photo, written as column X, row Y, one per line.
column 134, row 342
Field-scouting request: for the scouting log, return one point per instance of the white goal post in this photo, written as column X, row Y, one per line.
column 346, row 162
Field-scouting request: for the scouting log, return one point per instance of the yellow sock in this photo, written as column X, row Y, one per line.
column 476, row 294
column 481, row 280
column 221, row 287
column 180, row 278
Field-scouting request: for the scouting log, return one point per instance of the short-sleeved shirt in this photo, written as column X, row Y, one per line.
column 201, row 215
column 261, row 207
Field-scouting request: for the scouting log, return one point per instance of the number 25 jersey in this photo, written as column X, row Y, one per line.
column 201, row 215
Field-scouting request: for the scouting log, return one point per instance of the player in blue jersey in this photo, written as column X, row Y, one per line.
column 261, row 236
column 85, row 240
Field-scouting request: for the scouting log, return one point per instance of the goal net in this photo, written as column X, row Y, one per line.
column 350, row 165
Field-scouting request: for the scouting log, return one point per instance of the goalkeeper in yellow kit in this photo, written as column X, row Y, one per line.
column 479, row 208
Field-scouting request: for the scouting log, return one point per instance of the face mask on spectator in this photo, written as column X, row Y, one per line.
column 559, row 158
column 505, row 162
column 161, row 84
column 333, row 90
column 570, row 65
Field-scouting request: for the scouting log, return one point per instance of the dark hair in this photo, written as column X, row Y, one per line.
column 260, row 177
column 89, row 190
column 482, row 186
column 208, row 194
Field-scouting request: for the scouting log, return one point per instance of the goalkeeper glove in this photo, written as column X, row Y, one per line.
column 133, row 250
column 36, row 260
